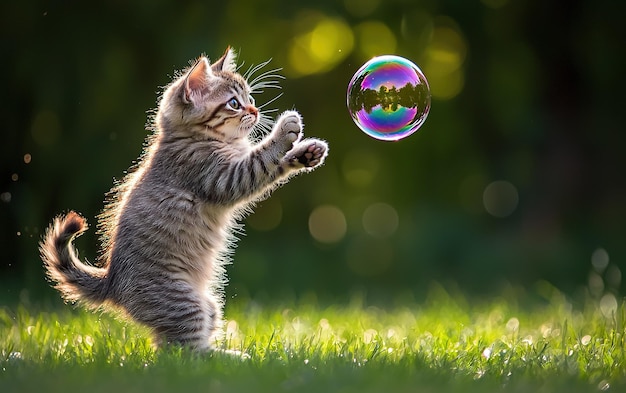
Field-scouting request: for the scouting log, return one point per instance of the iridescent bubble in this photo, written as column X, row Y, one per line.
column 389, row 98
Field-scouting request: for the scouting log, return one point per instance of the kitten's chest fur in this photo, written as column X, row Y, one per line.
column 171, row 218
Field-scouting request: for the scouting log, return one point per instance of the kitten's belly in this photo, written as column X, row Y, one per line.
column 207, row 242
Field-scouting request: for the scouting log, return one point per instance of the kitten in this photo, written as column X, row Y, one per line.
column 168, row 227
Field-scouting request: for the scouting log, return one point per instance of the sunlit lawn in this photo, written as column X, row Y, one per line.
column 444, row 344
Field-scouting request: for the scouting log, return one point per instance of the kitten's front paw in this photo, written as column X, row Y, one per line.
column 288, row 129
column 308, row 154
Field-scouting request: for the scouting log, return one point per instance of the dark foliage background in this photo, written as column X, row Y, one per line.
column 517, row 175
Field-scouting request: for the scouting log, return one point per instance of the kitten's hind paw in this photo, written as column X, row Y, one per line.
column 309, row 153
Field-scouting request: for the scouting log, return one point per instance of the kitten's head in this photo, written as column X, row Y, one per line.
column 209, row 101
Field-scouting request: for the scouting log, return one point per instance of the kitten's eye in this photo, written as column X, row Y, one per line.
column 233, row 104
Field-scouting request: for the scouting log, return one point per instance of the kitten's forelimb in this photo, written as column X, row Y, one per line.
column 280, row 155
column 296, row 154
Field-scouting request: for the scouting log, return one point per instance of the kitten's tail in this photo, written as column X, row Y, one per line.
column 75, row 280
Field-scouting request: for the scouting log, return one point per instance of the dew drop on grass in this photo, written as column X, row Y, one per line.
column 15, row 356
column 585, row 340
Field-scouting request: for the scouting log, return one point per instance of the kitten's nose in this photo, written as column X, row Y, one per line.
column 253, row 110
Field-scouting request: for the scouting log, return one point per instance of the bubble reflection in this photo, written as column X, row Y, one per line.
column 389, row 98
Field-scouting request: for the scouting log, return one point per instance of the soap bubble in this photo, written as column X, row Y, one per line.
column 389, row 98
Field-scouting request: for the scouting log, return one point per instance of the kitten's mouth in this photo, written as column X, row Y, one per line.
column 249, row 120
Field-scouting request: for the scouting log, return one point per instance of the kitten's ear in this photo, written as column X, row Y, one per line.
column 228, row 61
column 197, row 79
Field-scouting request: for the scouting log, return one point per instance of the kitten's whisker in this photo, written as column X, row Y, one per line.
column 269, row 79
column 262, row 128
column 266, row 84
column 258, row 88
column 240, row 65
column 265, row 122
column 270, row 110
column 254, row 68
column 267, row 74
column 270, row 101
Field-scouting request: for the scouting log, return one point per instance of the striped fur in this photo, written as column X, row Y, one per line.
column 167, row 229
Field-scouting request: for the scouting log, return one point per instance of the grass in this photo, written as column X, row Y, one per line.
column 445, row 344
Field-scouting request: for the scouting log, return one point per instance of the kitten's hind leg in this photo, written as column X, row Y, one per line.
column 179, row 315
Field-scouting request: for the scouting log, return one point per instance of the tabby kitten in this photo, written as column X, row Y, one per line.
column 168, row 226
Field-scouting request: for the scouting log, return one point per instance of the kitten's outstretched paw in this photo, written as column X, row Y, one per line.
column 308, row 154
column 289, row 128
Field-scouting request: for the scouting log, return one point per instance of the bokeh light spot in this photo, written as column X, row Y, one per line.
column 452, row 86
column 599, row 259
column 500, row 198
column 585, row 340
column 444, row 59
column 5, row 197
column 613, row 277
column 608, row 305
column 512, row 325
column 380, row 220
column 374, row 38
column 369, row 336
column 327, row 224
column 595, row 284
column 321, row 48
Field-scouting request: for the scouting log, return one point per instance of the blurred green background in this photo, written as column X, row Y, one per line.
column 516, row 177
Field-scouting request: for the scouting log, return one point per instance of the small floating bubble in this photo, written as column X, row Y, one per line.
column 389, row 98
